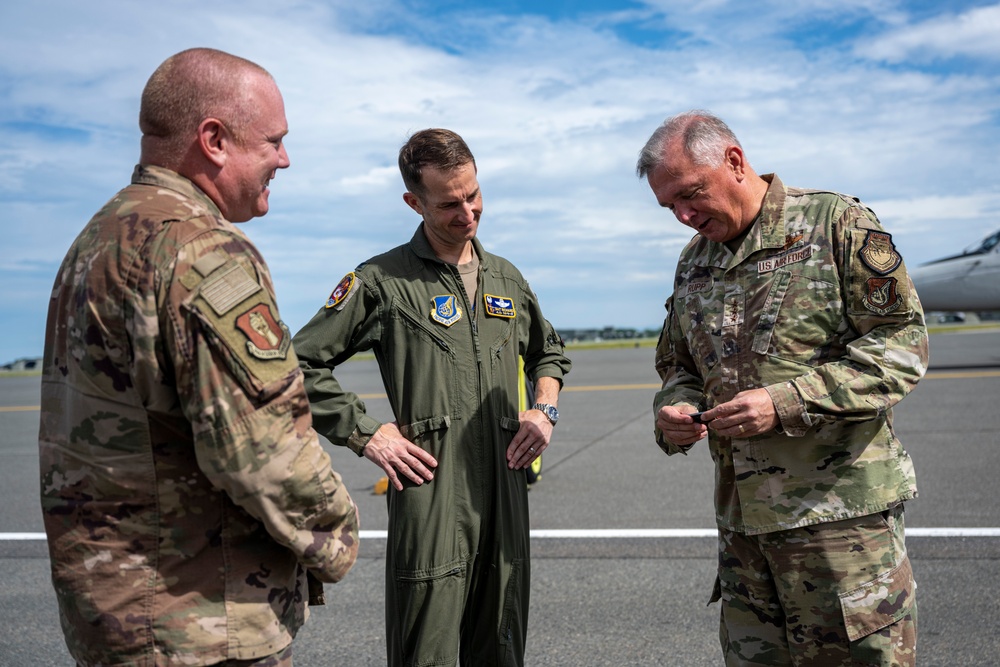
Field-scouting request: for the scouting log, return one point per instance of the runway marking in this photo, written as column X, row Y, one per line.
column 931, row 375
column 620, row 533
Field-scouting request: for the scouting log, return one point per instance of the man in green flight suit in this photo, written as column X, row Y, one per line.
column 447, row 322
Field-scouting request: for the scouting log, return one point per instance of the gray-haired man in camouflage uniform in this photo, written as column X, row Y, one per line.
column 794, row 326
column 190, row 509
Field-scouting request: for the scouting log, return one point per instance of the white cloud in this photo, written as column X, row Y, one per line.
column 555, row 112
column 972, row 34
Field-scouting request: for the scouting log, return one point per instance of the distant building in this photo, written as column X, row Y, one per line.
column 607, row 333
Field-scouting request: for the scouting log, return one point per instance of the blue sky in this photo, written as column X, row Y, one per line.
column 894, row 102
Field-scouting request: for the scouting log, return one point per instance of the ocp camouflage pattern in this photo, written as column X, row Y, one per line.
column 817, row 308
column 184, row 491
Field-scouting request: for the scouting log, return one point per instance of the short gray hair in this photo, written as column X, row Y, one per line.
column 704, row 138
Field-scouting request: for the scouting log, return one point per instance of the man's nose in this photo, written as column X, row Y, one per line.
column 684, row 213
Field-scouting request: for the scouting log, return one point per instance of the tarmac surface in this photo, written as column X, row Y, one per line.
column 630, row 583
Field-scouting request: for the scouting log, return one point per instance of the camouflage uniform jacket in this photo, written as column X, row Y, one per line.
column 185, row 494
column 817, row 308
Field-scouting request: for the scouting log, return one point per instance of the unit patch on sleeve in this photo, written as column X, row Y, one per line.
column 499, row 306
column 446, row 310
column 344, row 289
column 881, row 296
column 268, row 338
column 879, row 254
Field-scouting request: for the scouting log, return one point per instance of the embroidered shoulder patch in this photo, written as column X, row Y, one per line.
column 499, row 306
column 446, row 310
column 881, row 296
column 227, row 288
column 269, row 338
column 879, row 253
column 344, row 289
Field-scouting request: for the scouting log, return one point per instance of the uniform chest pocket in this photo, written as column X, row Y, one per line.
column 799, row 318
column 414, row 325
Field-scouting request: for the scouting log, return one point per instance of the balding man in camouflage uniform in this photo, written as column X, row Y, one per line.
column 794, row 326
column 190, row 510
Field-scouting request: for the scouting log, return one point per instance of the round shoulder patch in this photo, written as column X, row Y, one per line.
column 343, row 290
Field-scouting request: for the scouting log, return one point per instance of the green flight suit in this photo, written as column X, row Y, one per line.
column 457, row 561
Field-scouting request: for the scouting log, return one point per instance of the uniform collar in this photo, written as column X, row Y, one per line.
column 422, row 247
column 767, row 230
column 147, row 174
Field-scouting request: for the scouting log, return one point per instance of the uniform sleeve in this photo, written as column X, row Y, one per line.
column 544, row 350
column 347, row 324
column 681, row 383
column 888, row 352
column 240, row 387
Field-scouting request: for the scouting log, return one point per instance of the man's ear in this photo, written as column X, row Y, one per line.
column 736, row 161
column 413, row 201
column 213, row 140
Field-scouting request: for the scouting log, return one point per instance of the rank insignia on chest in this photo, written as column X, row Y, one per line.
column 343, row 290
column 446, row 310
column 499, row 306
column 881, row 296
column 879, row 253
column 269, row 338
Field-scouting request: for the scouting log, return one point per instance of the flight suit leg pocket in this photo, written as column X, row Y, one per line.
column 428, row 609
column 514, row 621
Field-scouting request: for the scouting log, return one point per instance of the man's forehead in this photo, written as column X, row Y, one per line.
column 452, row 183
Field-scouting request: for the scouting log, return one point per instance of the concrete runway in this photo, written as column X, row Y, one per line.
column 600, row 600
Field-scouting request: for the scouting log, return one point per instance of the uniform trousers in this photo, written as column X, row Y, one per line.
column 836, row 593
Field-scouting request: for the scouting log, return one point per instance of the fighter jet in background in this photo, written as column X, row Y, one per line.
column 966, row 282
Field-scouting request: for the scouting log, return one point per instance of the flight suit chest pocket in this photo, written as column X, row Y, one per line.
column 423, row 366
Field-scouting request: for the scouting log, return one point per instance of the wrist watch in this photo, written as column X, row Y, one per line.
column 548, row 410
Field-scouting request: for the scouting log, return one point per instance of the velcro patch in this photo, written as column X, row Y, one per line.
column 879, row 253
column 446, row 310
column 499, row 306
column 881, row 296
column 269, row 338
column 228, row 287
column 784, row 259
column 343, row 291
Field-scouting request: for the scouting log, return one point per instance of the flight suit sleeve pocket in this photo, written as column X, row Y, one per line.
column 418, row 428
column 880, row 602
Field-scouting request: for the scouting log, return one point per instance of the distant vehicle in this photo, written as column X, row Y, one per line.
column 966, row 282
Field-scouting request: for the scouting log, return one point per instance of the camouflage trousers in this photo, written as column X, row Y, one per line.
column 280, row 659
column 838, row 593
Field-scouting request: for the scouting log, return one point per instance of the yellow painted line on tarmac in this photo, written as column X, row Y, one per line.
column 612, row 387
column 931, row 375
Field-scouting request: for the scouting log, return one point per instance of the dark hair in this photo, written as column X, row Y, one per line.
column 441, row 149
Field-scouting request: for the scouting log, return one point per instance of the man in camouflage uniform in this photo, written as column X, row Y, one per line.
column 190, row 510
column 794, row 326
column 447, row 322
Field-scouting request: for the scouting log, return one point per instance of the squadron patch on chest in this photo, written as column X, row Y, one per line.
column 881, row 296
column 784, row 259
column 446, row 310
column 879, row 253
column 499, row 306
column 269, row 338
column 343, row 291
